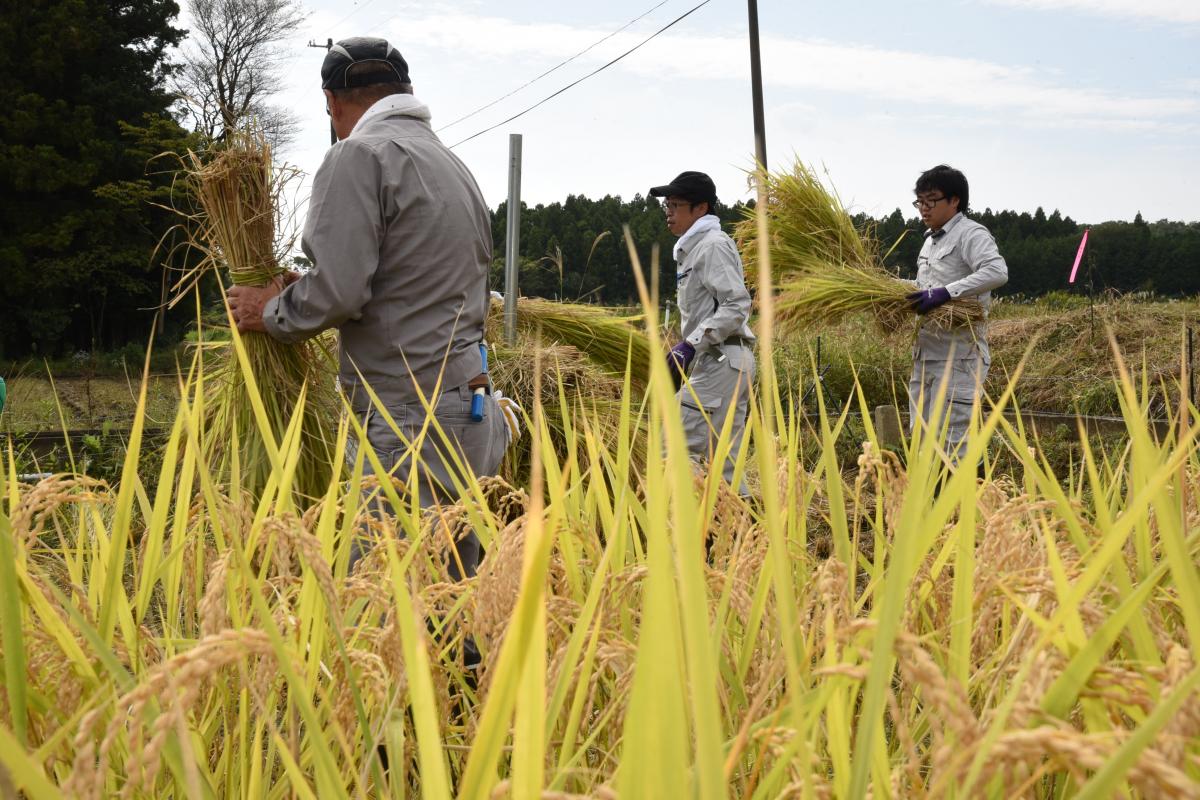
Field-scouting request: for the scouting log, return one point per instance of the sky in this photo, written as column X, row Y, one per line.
column 1091, row 107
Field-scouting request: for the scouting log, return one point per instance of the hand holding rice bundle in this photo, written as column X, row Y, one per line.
column 826, row 268
column 237, row 190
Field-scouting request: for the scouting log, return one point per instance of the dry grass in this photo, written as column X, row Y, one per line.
column 1070, row 368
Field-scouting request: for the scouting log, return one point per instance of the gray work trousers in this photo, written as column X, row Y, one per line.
column 478, row 445
column 715, row 389
column 963, row 379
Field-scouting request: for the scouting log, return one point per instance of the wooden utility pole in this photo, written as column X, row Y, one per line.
column 760, row 131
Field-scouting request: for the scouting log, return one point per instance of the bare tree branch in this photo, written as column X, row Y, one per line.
column 232, row 64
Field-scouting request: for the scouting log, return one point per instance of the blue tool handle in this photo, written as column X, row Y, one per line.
column 477, row 405
column 477, row 399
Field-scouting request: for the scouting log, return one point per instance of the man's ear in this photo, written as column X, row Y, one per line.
column 954, row 202
column 331, row 102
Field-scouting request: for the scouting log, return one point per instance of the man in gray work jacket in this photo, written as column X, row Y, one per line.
column 714, row 316
column 400, row 240
column 958, row 259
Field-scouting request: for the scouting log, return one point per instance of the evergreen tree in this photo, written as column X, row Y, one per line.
column 82, row 110
column 564, row 258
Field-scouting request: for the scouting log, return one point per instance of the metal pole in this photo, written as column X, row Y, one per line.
column 1191, row 361
column 760, row 132
column 328, row 46
column 1092, row 293
column 513, row 249
column 1185, row 414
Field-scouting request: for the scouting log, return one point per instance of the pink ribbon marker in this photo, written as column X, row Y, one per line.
column 1079, row 255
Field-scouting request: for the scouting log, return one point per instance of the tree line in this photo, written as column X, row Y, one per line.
column 574, row 250
column 99, row 101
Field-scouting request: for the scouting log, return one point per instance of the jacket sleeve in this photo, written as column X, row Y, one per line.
column 719, row 268
column 988, row 270
column 342, row 236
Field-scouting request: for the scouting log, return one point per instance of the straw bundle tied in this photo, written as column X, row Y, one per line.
column 238, row 192
column 608, row 341
column 825, row 266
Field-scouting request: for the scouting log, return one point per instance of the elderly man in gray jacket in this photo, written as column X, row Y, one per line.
column 400, row 240
column 714, row 313
column 958, row 259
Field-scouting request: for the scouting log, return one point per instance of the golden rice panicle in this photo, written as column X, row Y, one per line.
column 238, row 189
column 809, row 228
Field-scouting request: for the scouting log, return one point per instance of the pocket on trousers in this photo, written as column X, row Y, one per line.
column 708, row 405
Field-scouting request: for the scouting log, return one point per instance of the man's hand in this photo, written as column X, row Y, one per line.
column 927, row 300
column 246, row 302
column 679, row 358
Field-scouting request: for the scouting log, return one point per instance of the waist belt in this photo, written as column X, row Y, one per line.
column 480, row 380
column 738, row 340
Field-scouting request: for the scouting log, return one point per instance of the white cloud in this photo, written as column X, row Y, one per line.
column 1185, row 11
column 875, row 116
column 890, row 76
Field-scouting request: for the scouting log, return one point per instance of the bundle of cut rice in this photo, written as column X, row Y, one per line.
column 824, row 267
column 235, row 227
column 608, row 341
column 590, row 395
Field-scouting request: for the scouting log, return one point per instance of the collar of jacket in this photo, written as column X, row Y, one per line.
column 709, row 222
column 942, row 231
column 403, row 104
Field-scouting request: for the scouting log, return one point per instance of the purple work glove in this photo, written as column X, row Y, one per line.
column 927, row 300
column 679, row 358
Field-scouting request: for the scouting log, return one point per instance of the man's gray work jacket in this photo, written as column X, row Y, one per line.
column 400, row 240
column 714, row 305
column 964, row 259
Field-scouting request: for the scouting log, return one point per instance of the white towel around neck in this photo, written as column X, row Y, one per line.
column 403, row 103
column 709, row 222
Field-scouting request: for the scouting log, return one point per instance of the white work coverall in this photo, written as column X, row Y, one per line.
column 714, row 308
column 962, row 257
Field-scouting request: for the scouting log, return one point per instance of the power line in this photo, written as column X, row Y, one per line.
column 596, row 71
column 557, row 66
column 351, row 14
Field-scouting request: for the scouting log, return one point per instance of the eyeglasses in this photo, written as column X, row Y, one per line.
column 927, row 202
column 675, row 205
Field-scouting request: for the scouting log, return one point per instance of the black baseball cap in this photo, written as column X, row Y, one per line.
column 362, row 50
column 695, row 187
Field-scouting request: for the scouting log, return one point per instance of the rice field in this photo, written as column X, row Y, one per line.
column 894, row 631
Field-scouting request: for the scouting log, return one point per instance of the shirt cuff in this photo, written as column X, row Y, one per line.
column 955, row 289
column 270, row 309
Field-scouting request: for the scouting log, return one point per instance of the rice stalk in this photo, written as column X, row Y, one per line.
column 826, row 298
column 233, row 654
column 607, row 340
column 238, row 228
